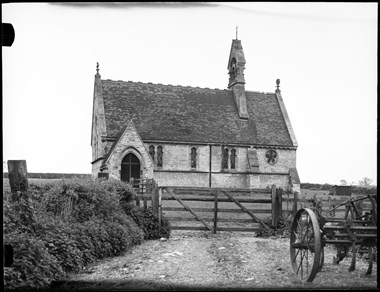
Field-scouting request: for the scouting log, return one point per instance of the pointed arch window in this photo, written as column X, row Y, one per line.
column 159, row 156
column 225, row 159
column 233, row 159
column 193, row 157
column 151, row 151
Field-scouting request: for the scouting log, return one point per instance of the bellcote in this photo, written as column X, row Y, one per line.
column 236, row 66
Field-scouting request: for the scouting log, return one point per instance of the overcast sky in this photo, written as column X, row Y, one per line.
column 325, row 55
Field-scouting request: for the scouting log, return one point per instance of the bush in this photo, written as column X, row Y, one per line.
column 81, row 200
column 147, row 220
column 33, row 266
column 58, row 239
column 136, row 233
column 62, row 226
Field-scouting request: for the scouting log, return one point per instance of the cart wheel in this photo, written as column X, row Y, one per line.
column 305, row 245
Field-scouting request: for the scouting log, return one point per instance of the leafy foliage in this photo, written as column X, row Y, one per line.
column 148, row 221
column 365, row 182
column 33, row 265
column 81, row 201
column 63, row 226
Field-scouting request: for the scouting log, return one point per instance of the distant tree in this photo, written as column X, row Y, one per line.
column 365, row 182
column 325, row 187
column 5, row 166
column 343, row 182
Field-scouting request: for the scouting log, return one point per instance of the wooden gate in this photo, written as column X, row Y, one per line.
column 220, row 209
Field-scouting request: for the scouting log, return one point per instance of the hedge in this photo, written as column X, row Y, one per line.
column 63, row 226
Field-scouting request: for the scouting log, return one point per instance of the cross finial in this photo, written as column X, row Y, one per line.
column 278, row 84
column 97, row 68
column 237, row 32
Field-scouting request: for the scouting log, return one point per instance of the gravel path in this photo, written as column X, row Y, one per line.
column 201, row 260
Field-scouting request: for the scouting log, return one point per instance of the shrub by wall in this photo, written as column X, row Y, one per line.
column 62, row 227
column 148, row 221
column 33, row 266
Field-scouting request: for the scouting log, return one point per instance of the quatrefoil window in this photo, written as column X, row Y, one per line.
column 271, row 156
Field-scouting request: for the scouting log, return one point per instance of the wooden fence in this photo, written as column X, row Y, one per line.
column 329, row 206
column 214, row 209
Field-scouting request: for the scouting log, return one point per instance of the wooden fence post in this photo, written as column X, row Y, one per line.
column 279, row 203
column 295, row 202
column 287, row 202
column 159, row 206
column 155, row 197
column 332, row 206
column 274, row 206
column 18, row 177
column 215, row 211
column 145, row 203
column 319, row 206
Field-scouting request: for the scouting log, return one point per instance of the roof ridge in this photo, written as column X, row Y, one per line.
column 161, row 84
column 185, row 86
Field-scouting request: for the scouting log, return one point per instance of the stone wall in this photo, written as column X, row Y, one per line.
column 286, row 160
column 186, row 179
column 95, row 169
column 176, row 169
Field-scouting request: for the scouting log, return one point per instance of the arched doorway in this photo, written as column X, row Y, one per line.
column 130, row 167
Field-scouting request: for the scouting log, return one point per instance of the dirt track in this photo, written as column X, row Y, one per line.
column 201, row 260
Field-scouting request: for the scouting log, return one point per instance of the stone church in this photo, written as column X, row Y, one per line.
column 191, row 136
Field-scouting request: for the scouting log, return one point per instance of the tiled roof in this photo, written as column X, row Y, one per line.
column 192, row 114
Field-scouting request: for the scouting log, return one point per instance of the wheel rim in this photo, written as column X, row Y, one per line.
column 305, row 245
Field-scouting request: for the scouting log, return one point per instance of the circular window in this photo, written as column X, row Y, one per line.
column 271, row 156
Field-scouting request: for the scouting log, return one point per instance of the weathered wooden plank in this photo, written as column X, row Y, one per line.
column 336, row 241
column 145, row 203
column 211, row 199
column 147, row 197
column 183, row 209
column 274, row 206
column 295, row 204
column 215, row 210
column 175, row 218
column 185, row 227
column 279, row 202
column 159, row 208
column 264, row 191
column 155, row 205
column 237, row 220
column 245, row 210
column 260, row 211
column 243, row 229
column 189, row 209
column 353, row 228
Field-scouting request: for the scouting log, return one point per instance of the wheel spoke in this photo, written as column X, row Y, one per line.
column 304, row 248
